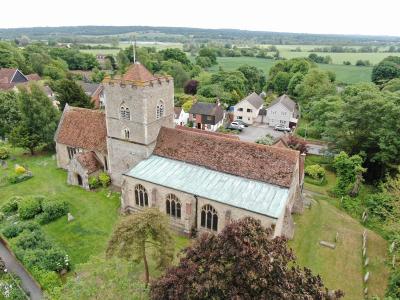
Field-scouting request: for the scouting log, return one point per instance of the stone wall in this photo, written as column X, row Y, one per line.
column 157, row 197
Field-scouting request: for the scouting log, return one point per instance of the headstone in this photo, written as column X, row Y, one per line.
column 366, row 262
column 391, row 248
column 327, row 244
column 70, row 217
column 364, row 243
column 394, row 260
column 364, row 252
column 366, row 291
column 366, row 277
column 337, row 237
column 109, row 194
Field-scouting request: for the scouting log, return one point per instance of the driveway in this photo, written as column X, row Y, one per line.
column 256, row 131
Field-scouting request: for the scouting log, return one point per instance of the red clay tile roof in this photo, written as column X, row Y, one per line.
column 82, row 128
column 225, row 135
column 250, row 160
column 6, row 75
column 89, row 161
column 138, row 72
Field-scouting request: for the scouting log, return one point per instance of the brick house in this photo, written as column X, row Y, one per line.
column 207, row 116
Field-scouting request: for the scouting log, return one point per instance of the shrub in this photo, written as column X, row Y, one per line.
column 380, row 205
column 394, row 285
column 315, row 171
column 52, row 210
column 104, row 179
column 48, row 279
column 19, row 170
column 11, row 205
column 266, row 140
column 19, row 178
column 56, row 259
column 94, row 182
column 31, row 240
column 29, row 208
column 4, row 153
column 11, row 231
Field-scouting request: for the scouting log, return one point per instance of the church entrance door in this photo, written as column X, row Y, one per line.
column 79, row 179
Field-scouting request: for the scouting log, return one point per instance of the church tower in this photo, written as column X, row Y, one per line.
column 137, row 105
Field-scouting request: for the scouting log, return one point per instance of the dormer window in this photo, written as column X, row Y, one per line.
column 160, row 109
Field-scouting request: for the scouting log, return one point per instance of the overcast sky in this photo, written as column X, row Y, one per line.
column 379, row 17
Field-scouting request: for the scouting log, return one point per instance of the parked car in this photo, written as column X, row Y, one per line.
column 235, row 126
column 242, row 123
column 281, row 127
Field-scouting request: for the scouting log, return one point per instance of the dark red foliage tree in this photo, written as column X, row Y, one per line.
column 190, row 87
column 242, row 262
column 297, row 144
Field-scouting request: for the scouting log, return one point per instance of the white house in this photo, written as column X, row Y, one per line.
column 180, row 116
column 282, row 110
column 247, row 110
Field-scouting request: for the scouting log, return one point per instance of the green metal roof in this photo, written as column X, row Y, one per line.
column 248, row 194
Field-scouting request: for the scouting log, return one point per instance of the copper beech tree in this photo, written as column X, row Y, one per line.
column 242, row 262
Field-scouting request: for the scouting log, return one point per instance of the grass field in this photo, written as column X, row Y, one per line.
column 341, row 268
column 346, row 74
column 122, row 45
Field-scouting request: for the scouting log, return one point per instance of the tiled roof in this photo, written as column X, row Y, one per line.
column 89, row 88
column 89, row 161
column 208, row 109
column 82, row 128
column 285, row 101
column 259, row 162
column 225, row 135
column 138, row 72
column 254, row 99
column 6, row 74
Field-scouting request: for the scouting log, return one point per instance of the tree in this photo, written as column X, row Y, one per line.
column 242, row 262
column 315, row 85
column 190, row 87
column 255, row 78
column 348, row 170
column 68, row 91
column 386, row 70
column 392, row 86
column 106, row 279
column 210, row 53
column 39, row 119
column 9, row 112
column 139, row 233
column 177, row 71
column 122, row 61
column 175, row 54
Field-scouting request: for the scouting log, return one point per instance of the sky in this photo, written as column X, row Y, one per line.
column 306, row 16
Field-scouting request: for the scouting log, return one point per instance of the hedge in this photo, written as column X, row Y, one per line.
column 29, row 208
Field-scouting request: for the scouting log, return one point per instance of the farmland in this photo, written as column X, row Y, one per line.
column 345, row 74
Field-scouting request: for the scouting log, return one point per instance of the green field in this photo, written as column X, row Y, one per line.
column 337, row 58
column 346, row 74
column 123, row 45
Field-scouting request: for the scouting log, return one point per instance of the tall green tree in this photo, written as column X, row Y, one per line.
column 242, row 262
column 140, row 235
column 9, row 112
column 255, row 78
column 386, row 70
column 68, row 91
column 38, row 119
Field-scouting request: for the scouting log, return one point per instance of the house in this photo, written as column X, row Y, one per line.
column 180, row 116
column 202, row 180
column 95, row 92
column 283, row 111
column 248, row 109
column 10, row 78
column 207, row 116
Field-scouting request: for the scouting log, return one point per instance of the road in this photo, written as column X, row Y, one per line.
column 14, row 266
column 316, row 149
column 256, row 131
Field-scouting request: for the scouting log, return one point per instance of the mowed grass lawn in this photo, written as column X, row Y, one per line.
column 342, row 267
column 345, row 74
column 95, row 213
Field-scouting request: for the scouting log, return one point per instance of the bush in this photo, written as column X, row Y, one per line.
column 11, row 205
column 11, row 231
column 380, row 206
column 29, row 208
column 94, row 182
column 31, row 240
column 19, row 170
column 315, row 171
column 4, row 153
column 394, row 285
column 52, row 210
column 266, row 140
column 104, row 179
column 19, row 178
column 55, row 259
column 48, row 279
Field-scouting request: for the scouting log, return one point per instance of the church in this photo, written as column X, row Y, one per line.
column 202, row 180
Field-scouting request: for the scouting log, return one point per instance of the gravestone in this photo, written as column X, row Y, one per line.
column 366, row 262
column 364, row 252
column 327, row 244
column 366, row 277
column 70, row 217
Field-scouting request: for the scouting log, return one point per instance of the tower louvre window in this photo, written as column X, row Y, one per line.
column 125, row 113
column 160, row 109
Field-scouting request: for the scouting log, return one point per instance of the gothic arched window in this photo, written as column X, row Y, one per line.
column 141, row 197
column 160, row 109
column 127, row 114
column 209, row 218
column 173, row 206
column 126, row 133
column 124, row 113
